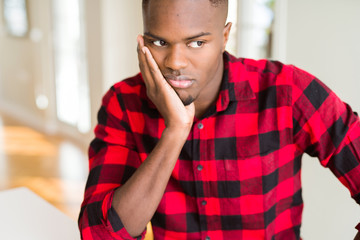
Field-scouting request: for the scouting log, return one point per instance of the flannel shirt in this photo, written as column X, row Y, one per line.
column 238, row 174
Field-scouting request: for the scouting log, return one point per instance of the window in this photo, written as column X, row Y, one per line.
column 72, row 88
column 16, row 19
column 254, row 29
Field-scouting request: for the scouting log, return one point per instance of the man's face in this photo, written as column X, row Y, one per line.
column 187, row 39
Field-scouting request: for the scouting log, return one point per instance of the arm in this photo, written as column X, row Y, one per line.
column 122, row 191
column 136, row 201
column 327, row 128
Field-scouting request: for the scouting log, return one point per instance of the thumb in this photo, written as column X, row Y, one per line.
column 191, row 109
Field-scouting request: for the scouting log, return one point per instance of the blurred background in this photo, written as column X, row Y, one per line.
column 58, row 57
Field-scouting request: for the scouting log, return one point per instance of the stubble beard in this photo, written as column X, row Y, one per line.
column 188, row 100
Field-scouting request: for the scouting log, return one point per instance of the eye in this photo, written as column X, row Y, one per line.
column 159, row 43
column 196, row 44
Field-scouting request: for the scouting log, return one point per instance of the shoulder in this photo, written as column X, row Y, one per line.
column 129, row 88
column 258, row 66
column 264, row 72
column 128, row 91
column 132, row 85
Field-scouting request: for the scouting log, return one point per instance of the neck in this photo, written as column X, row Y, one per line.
column 211, row 93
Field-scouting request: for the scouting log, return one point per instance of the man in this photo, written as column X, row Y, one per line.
column 207, row 146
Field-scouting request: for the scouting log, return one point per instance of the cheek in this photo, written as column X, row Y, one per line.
column 208, row 62
column 209, row 55
column 159, row 57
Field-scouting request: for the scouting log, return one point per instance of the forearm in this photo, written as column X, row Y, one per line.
column 136, row 201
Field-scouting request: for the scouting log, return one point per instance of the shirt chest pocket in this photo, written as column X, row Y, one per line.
column 239, row 148
column 244, row 157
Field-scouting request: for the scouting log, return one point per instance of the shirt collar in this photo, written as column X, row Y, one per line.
column 234, row 86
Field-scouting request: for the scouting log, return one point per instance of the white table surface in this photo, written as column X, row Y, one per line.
column 26, row 216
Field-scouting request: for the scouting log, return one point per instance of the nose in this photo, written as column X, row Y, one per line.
column 176, row 58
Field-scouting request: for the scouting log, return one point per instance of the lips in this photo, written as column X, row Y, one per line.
column 179, row 81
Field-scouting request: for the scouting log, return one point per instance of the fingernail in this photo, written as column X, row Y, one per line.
column 143, row 49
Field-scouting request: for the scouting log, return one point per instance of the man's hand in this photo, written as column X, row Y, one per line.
column 164, row 97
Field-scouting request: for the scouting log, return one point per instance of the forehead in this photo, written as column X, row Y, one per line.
column 177, row 16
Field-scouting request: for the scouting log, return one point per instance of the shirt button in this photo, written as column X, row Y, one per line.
column 207, row 238
column 203, row 203
column 200, row 126
column 200, row 167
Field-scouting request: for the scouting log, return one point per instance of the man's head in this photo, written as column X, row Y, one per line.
column 187, row 39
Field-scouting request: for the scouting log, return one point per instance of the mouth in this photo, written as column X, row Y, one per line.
column 179, row 81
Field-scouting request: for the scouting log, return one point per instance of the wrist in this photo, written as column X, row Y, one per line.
column 176, row 133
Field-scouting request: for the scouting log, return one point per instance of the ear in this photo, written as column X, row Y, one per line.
column 226, row 34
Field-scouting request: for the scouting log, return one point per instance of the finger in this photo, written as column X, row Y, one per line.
column 140, row 40
column 141, row 53
column 154, row 68
column 143, row 65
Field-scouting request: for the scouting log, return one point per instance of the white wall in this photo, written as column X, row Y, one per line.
column 122, row 22
column 94, row 40
column 323, row 37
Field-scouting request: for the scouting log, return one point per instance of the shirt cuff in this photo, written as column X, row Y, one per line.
column 113, row 221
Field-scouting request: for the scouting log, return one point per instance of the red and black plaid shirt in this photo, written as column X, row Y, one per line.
column 238, row 174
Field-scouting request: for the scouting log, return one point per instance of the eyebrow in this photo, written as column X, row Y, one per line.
column 186, row 39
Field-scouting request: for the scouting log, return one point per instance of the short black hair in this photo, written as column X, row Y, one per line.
column 213, row 2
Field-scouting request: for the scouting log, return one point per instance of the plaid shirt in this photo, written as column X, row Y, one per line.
column 238, row 174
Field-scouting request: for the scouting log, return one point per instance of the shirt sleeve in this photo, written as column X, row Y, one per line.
column 112, row 161
column 327, row 128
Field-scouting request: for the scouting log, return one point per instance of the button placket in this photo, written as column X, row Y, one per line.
column 199, row 171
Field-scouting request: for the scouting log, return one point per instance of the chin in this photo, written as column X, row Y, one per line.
column 188, row 100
